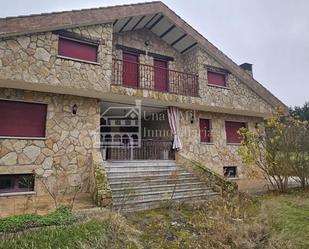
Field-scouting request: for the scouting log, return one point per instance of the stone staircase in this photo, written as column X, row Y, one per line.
column 139, row 185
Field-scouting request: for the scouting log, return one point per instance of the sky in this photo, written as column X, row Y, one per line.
column 273, row 35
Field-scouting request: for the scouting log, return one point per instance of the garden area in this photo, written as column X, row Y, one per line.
column 270, row 221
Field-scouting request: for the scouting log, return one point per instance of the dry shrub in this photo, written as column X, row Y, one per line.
column 229, row 223
column 118, row 233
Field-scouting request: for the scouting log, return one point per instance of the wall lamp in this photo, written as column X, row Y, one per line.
column 74, row 109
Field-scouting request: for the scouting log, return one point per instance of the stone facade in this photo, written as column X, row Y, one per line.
column 218, row 153
column 34, row 59
column 62, row 160
column 235, row 96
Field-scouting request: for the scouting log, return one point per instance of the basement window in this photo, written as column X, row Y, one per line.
column 73, row 48
column 230, row 172
column 16, row 183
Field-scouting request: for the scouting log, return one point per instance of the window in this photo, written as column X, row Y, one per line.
column 16, row 183
column 216, row 79
column 232, row 128
column 230, row 172
column 22, row 119
column 76, row 49
column 205, row 131
column 130, row 69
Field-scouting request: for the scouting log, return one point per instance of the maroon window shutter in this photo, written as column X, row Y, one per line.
column 77, row 50
column 216, row 79
column 161, row 75
column 130, row 69
column 20, row 119
column 232, row 128
column 205, row 130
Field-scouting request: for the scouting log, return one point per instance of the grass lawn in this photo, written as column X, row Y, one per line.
column 272, row 221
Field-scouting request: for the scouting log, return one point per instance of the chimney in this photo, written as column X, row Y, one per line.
column 247, row 67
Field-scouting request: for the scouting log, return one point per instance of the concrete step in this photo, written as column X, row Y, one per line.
column 149, row 195
column 139, row 185
column 152, row 182
column 140, row 163
column 133, row 168
column 151, row 172
column 155, row 188
column 157, row 202
column 132, row 178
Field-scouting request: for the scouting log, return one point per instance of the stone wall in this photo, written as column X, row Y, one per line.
column 34, row 58
column 236, row 95
column 218, row 153
column 136, row 39
column 62, row 160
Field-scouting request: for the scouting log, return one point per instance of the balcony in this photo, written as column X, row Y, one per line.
column 158, row 78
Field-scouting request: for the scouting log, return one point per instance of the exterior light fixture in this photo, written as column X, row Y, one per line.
column 147, row 43
column 74, row 109
column 192, row 117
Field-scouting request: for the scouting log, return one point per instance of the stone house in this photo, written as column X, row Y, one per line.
column 60, row 72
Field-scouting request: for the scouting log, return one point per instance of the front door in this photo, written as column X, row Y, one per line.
column 161, row 75
column 130, row 70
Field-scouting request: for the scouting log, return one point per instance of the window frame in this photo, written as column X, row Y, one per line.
column 217, row 70
column 94, row 44
column 16, row 189
column 215, row 85
column 231, row 167
column 209, row 131
column 226, row 134
column 28, row 137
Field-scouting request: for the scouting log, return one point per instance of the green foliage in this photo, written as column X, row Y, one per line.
column 61, row 216
column 289, row 218
column 278, row 150
column 91, row 234
column 106, row 230
column 300, row 112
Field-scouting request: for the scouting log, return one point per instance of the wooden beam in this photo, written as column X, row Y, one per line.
column 189, row 47
column 150, row 20
column 156, row 22
column 167, row 31
column 178, row 39
column 138, row 22
column 127, row 22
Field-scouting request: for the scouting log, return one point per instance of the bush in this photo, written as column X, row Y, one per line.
column 61, row 216
column 279, row 150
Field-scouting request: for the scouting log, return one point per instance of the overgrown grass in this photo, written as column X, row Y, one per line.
column 61, row 216
column 289, row 217
column 110, row 231
column 268, row 222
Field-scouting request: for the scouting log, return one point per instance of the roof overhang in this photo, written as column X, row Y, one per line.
column 154, row 16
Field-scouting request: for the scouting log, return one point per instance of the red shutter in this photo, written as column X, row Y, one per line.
column 20, row 119
column 205, row 130
column 217, row 79
column 130, row 70
column 77, row 50
column 161, row 75
column 232, row 128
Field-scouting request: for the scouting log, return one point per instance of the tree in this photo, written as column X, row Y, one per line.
column 300, row 112
column 278, row 150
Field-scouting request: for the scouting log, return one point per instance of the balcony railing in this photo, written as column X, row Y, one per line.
column 148, row 150
column 143, row 76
